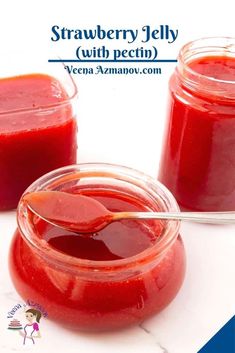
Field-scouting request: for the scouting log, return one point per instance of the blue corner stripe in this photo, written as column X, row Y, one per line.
column 223, row 341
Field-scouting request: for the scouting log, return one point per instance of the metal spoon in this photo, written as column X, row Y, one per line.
column 200, row 217
column 83, row 214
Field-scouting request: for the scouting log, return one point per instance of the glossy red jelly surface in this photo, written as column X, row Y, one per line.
column 77, row 213
column 107, row 298
column 37, row 132
column 198, row 159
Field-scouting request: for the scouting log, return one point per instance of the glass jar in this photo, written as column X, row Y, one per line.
column 99, row 295
column 198, row 155
column 38, row 129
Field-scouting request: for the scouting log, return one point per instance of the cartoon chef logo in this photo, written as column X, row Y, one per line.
column 30, row 330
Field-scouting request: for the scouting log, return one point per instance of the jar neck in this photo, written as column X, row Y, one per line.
column 200, row 84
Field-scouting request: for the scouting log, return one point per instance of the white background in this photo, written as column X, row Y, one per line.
column 121, row 120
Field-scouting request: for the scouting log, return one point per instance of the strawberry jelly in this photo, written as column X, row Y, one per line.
column 198, row 157
column 37, row 132
column 117, row 276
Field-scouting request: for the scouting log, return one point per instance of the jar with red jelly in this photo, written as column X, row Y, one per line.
column 38, row 128
column 198, row 155
column 114, row 278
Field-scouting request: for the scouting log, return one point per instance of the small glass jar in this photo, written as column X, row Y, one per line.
column 198, row 154
column 99, row 295
column 38, row 128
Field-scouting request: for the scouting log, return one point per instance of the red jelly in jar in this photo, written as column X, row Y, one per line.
column 198, row 157
column 37, row 132
column 116, row 277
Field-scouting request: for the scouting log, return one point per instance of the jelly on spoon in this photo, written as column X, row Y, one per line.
column 83, row 214
column 77, row 213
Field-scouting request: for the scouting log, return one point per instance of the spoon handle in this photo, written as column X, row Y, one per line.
column 201, row 217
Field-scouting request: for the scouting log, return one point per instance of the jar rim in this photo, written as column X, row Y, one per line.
column 199, row 48
column 46, row 107
column 170, row 231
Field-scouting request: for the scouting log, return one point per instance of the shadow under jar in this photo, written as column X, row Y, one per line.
column 198, row 156
column 117, row 277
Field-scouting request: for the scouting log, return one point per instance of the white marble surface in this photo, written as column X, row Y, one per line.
column 121, row 121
